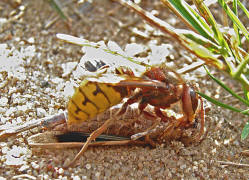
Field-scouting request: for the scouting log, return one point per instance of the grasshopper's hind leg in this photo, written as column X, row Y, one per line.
column 64, row 145
column 92, row 137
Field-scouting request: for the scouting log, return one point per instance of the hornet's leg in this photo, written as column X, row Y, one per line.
column 130, row 101
column 124, row 107
column 142, row 105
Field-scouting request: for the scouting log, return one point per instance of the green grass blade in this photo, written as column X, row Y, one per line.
column 207, row 15
column 57, row 8
column 245, row 131
column 234, row 18
column 241, row 67
column 243, row 9
column 187, row 14
column 245, row 111
column 246, row 93
column 191, row 16
column 200, row 50
column 236, row 30
column 218, row 103
column 226, row 88
column 212, row 47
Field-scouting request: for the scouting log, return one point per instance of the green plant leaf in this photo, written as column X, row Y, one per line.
column 245, row 131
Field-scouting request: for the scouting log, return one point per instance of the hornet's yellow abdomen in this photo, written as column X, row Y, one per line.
column 90, row 99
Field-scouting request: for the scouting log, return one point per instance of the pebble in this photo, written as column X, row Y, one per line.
column 5, row 150
column 3, row 101
column 67, row 161
column 23, row 168
column 88, row 166
column 236, row 142
column 31, row 40
column 22, row 8
column 108, row 173
column 97, row 174
column 11, row 111
column 35, row 165
column 61, row 171
column 77, row 178
column 183, row 166
column 116, row 166
column 213, row 151
column 64, row 178
column 45, row 177
column 40, row 112
column 213, row 173
column 2, row 110
column 205, row 169
column 140, row 165
column 2, row 21
column 17, row 39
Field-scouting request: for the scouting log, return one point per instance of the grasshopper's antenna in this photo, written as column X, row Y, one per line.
column 49, row 122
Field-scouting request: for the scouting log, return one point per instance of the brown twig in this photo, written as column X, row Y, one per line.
column 233, row 164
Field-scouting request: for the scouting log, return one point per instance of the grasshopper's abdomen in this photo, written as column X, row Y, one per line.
column 92, row 98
